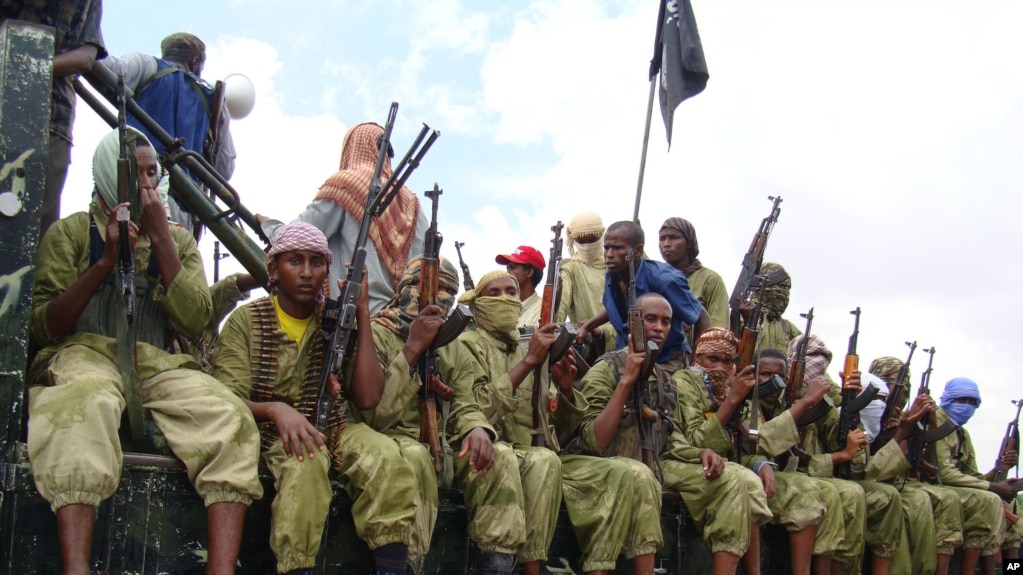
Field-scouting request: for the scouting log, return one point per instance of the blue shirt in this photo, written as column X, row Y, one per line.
column 656, row 277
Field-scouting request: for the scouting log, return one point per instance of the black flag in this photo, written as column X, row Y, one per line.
column 678, row 57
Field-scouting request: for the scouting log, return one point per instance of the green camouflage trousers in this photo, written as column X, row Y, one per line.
column 73, row 444
column 418, row 456
column 982, row 517
column 1012, row 533
column 614, row 504
column 797, row 503
column 723, row 508
column 841, row 533
column 370, row 464
column 932, row 518
column 493, row 500
column 884, row 530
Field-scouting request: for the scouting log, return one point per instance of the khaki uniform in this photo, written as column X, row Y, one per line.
column 582, row 293
column 884, row 527
column 514, row 505
column 797, row 502
column 984, row 523
column 76, row 397
column 932, row 515
column 723, row 519
column 380, row 481
column 709, row 288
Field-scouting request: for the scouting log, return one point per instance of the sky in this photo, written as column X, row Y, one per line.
column 892, row 130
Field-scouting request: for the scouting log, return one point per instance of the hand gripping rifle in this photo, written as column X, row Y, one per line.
column 1010, row 443
column 467, row 282
column 794, row 390
column 749, row 344
column 852, row 402
column 562, row 343
column 644, row 415
column 338, row 323
column 896, row 398
column 128, row 191
column 751, row 265
column 919, row 451
column 431, row 387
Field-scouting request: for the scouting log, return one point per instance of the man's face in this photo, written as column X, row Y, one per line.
column 616, row 249
column 522, row 273
column 656, row 314
column 149, row 167
column 500, row 287
column 299, row 275
column 768, row 367
column 715, row 360
column 674, row 247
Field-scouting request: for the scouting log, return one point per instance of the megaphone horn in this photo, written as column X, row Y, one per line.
column 239, row 95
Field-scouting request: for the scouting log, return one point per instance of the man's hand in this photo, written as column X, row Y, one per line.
column 1002, row 489
column 540, row 344
column 745, row 309
column 423, row 331
column 851, row 381
column 766, row 474
column 633, row 365
column 1009, row 459
column 855, row 441
column 713, row 464
column 480, row 449
column 816, row 390
column 564, row 374
column 298, row 436
column 110, row 247
column 153, row 221
column 740, row 384
column 363, row 302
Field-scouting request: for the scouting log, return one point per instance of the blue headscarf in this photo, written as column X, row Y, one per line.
column 955, row 389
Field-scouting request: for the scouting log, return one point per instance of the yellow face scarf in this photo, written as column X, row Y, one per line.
column 499, row 316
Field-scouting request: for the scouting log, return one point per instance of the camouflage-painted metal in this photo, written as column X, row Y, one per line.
column 26, row 55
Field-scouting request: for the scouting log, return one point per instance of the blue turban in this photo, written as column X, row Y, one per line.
column 955, row 389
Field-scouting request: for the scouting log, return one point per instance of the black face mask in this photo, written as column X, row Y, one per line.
column 770, row 388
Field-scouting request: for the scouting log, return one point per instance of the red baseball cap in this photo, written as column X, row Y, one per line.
column 523, row 255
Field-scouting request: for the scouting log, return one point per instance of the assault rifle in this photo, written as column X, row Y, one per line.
column 467, row 282
column 562, row 344
column 128, row 191
column 853, row 402
column 338, row 323
column 919, row 451
column 749, row 344
column 793, row 391
column 1010, row 443
column 431, row 387
column 896, row 398
column 644, row 415
column 751, row 263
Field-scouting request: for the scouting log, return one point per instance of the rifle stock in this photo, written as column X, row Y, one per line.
column 431, row 387
column 637, row 329
column 338, row 323
column 541, row 374
column 896, row 397
column 751, row 263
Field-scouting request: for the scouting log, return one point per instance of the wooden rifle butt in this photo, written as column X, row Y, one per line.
column 429, row 431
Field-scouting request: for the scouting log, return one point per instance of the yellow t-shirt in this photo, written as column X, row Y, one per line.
column 293, row 327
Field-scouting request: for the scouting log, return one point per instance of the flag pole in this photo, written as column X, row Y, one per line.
column 655, row 69
column 646, row 144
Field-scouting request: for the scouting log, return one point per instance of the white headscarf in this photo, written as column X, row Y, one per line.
column 104, row 165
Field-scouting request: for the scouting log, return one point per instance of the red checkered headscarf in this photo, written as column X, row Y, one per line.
column 717, row 340
column 300, row 236
column 818, row 357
